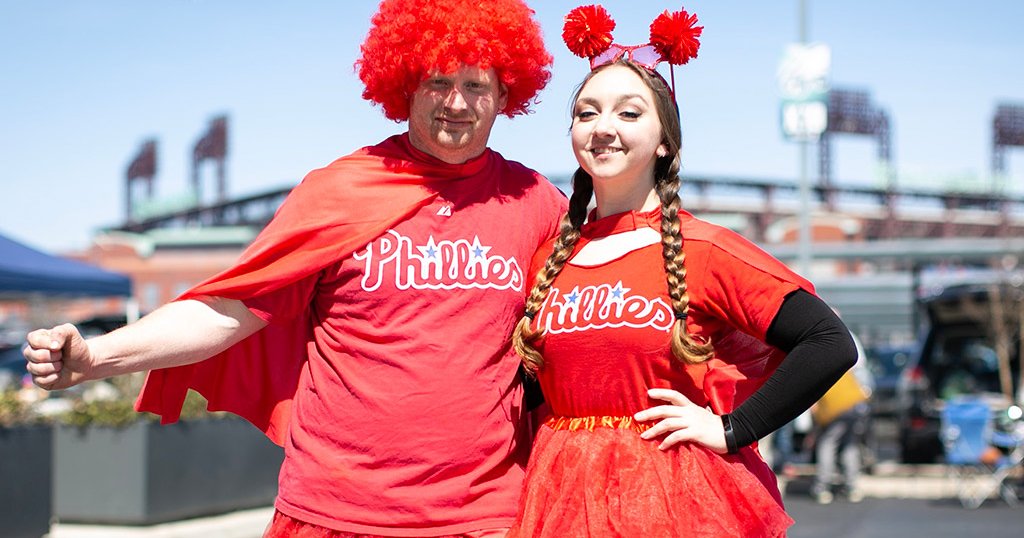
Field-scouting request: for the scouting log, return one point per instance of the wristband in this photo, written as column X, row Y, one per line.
column 730, row 435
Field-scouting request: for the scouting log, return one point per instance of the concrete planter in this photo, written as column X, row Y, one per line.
column 25, row 453
column 146, row 473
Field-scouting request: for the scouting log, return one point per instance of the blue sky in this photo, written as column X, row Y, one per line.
column 83, row 83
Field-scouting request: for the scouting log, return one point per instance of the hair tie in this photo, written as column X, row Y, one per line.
column 681, row 316
column 528, row 314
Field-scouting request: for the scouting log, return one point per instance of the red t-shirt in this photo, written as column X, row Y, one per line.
column 622, row 309
column 407, row 414
column 607, row 326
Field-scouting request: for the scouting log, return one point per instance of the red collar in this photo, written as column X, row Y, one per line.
column 427, row 165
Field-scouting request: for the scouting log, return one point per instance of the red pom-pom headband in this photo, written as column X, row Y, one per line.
column 587, row 33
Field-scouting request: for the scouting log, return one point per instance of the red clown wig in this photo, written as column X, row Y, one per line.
column 409, row 39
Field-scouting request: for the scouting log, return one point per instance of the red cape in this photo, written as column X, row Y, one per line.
column 332, row 213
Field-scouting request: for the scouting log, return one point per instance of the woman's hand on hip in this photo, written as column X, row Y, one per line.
column 681, row 420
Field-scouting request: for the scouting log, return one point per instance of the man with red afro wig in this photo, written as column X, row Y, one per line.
column 367, row 328
column 412, row 38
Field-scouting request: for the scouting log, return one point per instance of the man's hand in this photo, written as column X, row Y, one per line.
column 681, row 421
column 58, row 358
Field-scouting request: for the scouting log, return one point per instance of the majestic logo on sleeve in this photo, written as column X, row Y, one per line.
column 443, row 265
column 602, row 306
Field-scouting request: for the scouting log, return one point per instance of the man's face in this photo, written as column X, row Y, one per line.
column 451, row 115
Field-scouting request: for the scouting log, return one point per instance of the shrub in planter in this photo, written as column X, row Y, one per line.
column 13, row 411
column 113, row 465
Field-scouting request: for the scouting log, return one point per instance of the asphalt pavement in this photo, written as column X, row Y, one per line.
column 903, row 518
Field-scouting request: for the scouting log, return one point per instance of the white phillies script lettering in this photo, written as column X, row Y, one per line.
column 602, row 306
column 443, row 265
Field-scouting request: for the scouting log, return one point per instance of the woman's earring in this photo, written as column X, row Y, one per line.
column 661, row 151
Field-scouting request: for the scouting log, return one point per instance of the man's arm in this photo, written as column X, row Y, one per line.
column 181, row 332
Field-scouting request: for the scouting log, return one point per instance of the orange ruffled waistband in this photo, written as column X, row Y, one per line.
column 595, row 421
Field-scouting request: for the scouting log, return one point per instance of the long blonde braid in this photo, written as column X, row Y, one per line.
column 685, row 347
column 568, row 234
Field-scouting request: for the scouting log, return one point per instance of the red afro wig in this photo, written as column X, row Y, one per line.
column 409, row 39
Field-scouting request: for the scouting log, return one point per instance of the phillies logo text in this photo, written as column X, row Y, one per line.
column 602, row 306
column 442, row 265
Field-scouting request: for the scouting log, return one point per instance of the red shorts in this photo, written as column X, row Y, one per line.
column 284, row 526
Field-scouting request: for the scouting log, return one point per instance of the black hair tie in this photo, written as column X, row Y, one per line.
column 679, row 315
column 529, row 314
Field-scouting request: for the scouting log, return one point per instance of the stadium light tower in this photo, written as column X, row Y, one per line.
column 1007, row 131
column 852, row 112
column 142, row 168
column 213, row 145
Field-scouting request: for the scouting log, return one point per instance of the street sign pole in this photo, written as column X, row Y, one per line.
column 804, row 239
column 803, row 85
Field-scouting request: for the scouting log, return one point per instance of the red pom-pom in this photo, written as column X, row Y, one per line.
column 674, row 36
column 588, row 31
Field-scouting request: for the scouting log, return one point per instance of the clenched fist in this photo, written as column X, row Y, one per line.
column 58, row 358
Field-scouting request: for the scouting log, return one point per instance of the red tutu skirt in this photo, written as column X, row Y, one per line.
column 595, row 477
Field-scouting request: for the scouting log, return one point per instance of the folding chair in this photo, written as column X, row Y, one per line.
column 967, row 431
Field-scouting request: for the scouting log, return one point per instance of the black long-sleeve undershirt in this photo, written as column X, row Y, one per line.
column 819, row 350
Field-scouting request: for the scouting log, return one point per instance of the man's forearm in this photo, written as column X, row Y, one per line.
column 178, row 333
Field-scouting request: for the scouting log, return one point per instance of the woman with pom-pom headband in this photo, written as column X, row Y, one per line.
column 665, row 345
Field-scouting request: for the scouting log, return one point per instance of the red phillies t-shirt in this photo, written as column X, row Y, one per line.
column 607, row 326
column 406, row 417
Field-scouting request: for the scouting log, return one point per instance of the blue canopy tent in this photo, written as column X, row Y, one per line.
column 26, row 271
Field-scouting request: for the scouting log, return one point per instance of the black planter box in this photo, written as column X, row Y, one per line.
column 147, row 473
column 25, row 453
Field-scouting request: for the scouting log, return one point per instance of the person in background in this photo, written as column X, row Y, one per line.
column 665, row 346
column 841, row 418
column 367, row 328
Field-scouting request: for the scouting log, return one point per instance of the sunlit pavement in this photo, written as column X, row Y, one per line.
column 887, row 481
column 241, row 524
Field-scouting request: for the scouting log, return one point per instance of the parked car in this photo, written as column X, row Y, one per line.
column 957, row 355
column 886, row 364
column 98, row 325
column 12, row 367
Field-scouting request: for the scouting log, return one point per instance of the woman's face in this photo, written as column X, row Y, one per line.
column 616, row 131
